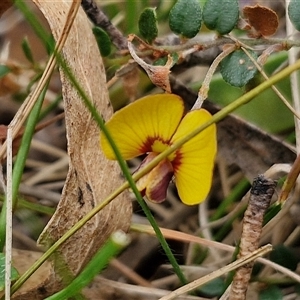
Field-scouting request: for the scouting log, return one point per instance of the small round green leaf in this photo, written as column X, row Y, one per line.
column 283, row 256
column 294, row 13
column 213, row 288
column 185, row 18
column 221, row 15
column 103, row 41
column 237, row 68
column 148, row 24
column 271, row 293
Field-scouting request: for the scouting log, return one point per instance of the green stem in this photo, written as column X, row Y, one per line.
column 237, row 192
column 23, row 203
column 20, row 161
column 50, row 107
column 117, row 242
column 35, row 24
column 67, row 235
column 220, row 235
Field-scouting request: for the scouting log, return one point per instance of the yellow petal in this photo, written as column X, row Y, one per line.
column 194, row 162
column 135, row 127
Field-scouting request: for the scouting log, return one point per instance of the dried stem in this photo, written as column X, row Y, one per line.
column 274, row 88
column 98, row 17
column 260, row 197
column 203, row 92
column 290, row 180
column 159, row 75
column 9, row 207
column 205, row 279
column 294, row 78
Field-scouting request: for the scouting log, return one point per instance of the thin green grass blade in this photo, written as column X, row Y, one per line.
column 23, row 203
column 237, row 192
column 114, row 245
column 54, row 104
column 20, row 161
column 39, row 30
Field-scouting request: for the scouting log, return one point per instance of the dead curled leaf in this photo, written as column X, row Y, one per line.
column 87, row 183
column 262, row 19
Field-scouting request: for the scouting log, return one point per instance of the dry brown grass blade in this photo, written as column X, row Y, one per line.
column 232, row 266
column 91, row 176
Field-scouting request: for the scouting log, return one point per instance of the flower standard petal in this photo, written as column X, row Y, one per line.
column 135, row 127
column 194, row 161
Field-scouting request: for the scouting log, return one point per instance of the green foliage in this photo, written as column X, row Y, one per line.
column 221, row 15
column 27, row 50
column 294, row 13
column 20, row 162
column 272, row 212
column 14, row 272
column 148, row 24
column 103, row 41
column 265, row 109
column 283, row 256
column 271, row 293
column 117, row 242
column 213, row 288
column 40, row 31
column 185, row 18
column 4, row 70
column 162, row 61
column 237, row 68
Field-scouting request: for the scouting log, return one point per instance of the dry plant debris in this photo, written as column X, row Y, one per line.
column 83, row 175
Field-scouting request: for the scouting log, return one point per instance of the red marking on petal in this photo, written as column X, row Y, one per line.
column 176, row 162
column 147, row 145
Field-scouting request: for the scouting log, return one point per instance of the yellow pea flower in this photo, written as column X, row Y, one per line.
column 152, row 124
